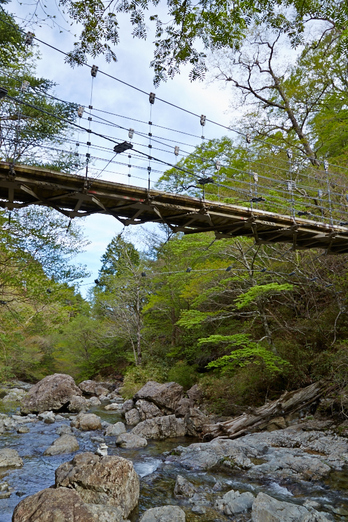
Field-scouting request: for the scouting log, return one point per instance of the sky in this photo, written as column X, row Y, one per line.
column 107, row 94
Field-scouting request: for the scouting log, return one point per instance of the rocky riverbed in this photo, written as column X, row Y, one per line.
column 292, row 474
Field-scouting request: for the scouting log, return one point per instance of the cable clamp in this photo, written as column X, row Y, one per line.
column 152, row 97
column 29, row 38
column 94, row 71
column 202, row 120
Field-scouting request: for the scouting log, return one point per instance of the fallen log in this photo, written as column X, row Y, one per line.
column 289, row 402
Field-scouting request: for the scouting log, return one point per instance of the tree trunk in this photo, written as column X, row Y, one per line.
column 289, row 402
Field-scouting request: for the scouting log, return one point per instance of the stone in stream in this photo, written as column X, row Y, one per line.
column 109, row 480
column 87, row 422
column 183, row 488
column 9, row 458
column 266, row 508
column 54, row 392
column 234, row 502
column 147, row 410
column 65, row 444
column 114, row 430
column 62, row 504
column 14, row 395
column 164, row 514
column 130, row 440
column 127, row 405
column 77, row 404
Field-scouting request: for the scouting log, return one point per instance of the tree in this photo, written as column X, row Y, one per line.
column 121, row 292
column 191, row 29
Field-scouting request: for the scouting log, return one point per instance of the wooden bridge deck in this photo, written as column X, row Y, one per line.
column 73, row 197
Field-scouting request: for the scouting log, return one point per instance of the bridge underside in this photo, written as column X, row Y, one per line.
column 73, row 196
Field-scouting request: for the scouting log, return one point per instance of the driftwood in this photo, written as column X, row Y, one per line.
column 289, row 402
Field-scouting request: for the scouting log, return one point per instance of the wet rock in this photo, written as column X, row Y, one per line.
column 23, row 429
column 64, row 430
column 106, row 513
column 161, row 428
column 129, row 440
column 127, row 405
column 5, row 490
column 109, row 480
column 7, row 423
column 166, row 396
column 266, row 508
column 183, row 488
column 164, row 514
column 77, row 404
column 54, row 392
column 9, row 458
column 234, row 502
column 114, row 430
column 147, row 410
column 86, row 422
column 62, row 504
column 132, row 417
column 65, row 444
column 48, row 417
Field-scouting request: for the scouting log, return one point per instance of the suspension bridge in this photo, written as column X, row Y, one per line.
column 322, row 225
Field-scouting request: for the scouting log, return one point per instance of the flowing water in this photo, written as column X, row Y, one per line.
column 157, row 474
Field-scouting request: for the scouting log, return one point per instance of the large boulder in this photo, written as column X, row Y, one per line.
column 114, row 430
column 160, row 428
column 62, row 504
column 166, row 396
column 54, row 392
column 65, row 444
column 108, row 480
column 195, row 420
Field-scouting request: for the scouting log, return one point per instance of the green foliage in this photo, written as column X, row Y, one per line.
column 259, row 291
column 137, row 376
column 183, row 374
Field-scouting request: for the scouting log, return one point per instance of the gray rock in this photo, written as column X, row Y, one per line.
column 105, row 513
column 64, row 430
column 65, row 444
column 132, row 417
column 234, row 502
column 7, row 423
column 195, row 395
column 147, row 410
column 77, row 404
column 51, row 393
column 48, row 417
column 23, row 429
column 166, row 396
column 114, row 430
column 183, row 407
column 90, row 388
column 183, row 488
column 127, row 405
column 164, row 514
column 86, row 422
column 195, row 420
column 109, row 480
column 266, row 508
column 93, row 401
column 130, row 440
column 9, row 458
column 161, row 428
column 62, row 504
column 15, row 395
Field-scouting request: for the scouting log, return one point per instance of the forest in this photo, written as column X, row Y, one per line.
column 244, row 321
